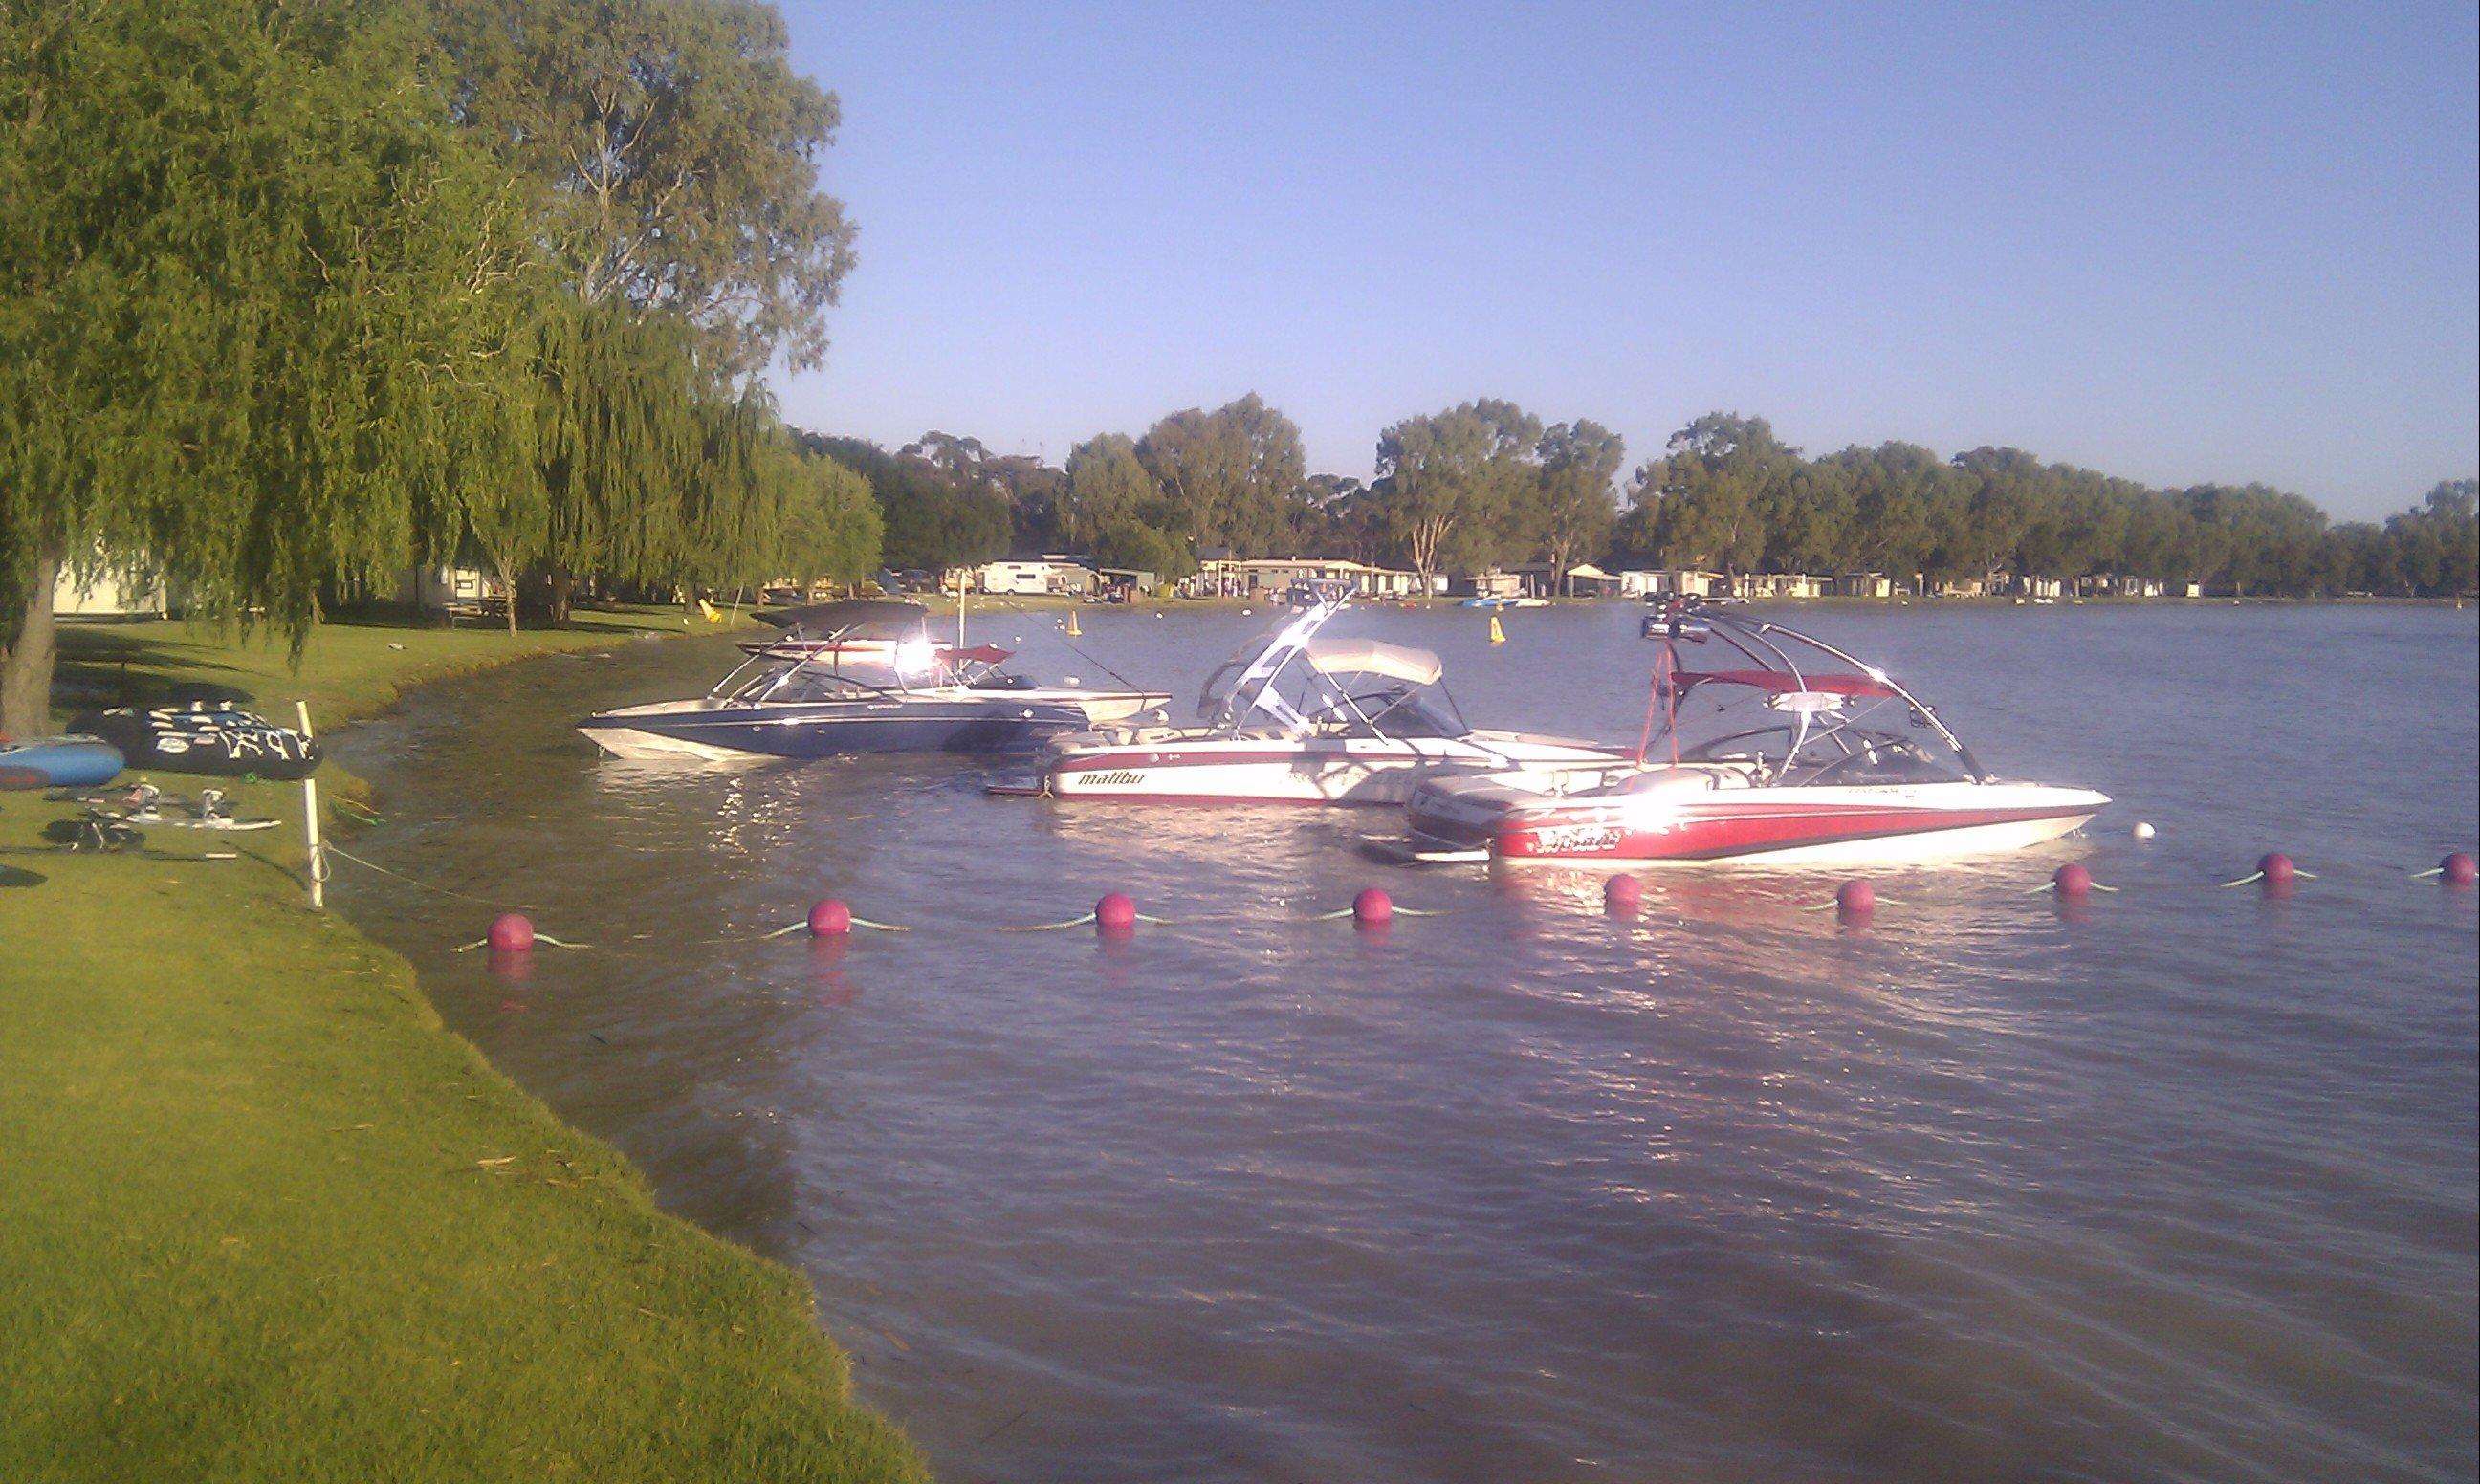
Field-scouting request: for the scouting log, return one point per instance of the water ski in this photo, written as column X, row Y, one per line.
column 146, row 807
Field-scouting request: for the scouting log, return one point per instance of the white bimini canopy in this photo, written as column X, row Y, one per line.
column 1371, row 656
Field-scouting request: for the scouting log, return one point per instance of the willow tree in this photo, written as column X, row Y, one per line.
column 828, row 526
column 249, row 274
column 619, row 435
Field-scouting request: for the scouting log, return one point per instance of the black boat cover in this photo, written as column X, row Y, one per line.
column 863, row 618
column 211, row 737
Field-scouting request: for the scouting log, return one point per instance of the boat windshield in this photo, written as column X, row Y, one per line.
column 1791, row 709
column 1309, row 686
column 1363, row 706
column 804, row 681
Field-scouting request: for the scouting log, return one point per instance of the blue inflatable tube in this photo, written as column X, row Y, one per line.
column 58, row 762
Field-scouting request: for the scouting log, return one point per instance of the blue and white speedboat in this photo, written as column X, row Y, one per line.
column 859, row 676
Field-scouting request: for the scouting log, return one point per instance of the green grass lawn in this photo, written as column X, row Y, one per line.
column 261, row 1217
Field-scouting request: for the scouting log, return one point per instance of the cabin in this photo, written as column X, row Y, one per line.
column 1581, row 581
column 1493, row 584
column 2111, row 585
column 1678, row 582
column 108, row 590
column 1779, row 585
column 456, row 591
column 1866, row 584
column 2026, row 585
column 1119, row 584
column 1225, row 576
column 1051, row 575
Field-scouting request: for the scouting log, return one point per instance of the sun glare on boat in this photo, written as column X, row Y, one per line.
column 915, row 658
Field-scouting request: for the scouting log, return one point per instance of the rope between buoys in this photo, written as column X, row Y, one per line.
column 447, row 891
column 539, row 937
column 1048, row 926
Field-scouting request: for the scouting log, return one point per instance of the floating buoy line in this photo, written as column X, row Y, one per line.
column 1114, row 916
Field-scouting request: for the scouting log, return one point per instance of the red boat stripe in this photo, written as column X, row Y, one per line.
column 1711, row 837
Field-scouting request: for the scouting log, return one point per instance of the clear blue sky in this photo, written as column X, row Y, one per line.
column 2177, row 243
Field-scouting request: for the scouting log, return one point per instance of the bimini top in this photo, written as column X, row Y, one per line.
column 874, row 617
column 1371, row 656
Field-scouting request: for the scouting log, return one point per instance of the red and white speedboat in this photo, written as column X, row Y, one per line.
column 1305, row 720
column 1780, row 747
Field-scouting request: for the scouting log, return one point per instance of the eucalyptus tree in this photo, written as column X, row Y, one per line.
column 253, row 291
column 1898, row 493
column 1710, row 492
column 672, row 152
column 1107, row 486
column 1452, row 486
column 1573, row 517
column 1228, row 474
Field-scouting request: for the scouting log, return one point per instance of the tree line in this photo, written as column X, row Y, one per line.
column 1487, row 484
column 301, row 293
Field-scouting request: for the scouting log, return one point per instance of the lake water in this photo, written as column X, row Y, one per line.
column 2181, row 1186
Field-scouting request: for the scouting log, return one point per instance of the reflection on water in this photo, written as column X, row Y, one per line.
column 2178, row 1184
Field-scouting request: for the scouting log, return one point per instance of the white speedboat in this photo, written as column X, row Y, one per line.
column 1304, row 720
column 1783, row 749
column 859, row 676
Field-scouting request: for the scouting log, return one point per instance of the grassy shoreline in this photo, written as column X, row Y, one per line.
column 267, row 1219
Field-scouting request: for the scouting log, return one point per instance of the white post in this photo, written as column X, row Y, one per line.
column 310, row 822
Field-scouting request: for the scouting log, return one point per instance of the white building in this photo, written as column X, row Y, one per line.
column 110, row 589
column 1228, row 577
column 1037, row 576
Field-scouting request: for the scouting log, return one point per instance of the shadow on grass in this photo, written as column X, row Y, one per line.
column 581, row 619
column 105, row 666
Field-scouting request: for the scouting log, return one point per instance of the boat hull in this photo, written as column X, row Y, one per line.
column 1352, row 771
column 1848, row 825
column 998, row 721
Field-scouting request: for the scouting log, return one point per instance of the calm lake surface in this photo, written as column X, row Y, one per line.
column 2183, row 1190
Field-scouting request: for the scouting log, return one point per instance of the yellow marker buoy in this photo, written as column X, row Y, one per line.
column 1497, row 635
column 1074, row 632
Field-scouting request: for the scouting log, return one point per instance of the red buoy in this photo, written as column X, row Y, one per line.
column 1855, row 899
column 2072, row 881
column 2276, row 868
column 2458, row 870
column 1622, row 895
column 1373, row 907
column 510, row 934
column 1115, row 913
column 830, row 918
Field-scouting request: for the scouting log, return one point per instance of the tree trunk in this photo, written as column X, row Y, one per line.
column 26, row 660
column 509, row 586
